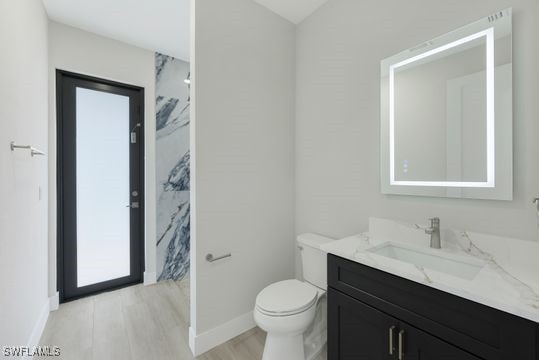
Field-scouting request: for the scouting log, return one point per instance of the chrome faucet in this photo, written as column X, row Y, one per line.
column 434, row 232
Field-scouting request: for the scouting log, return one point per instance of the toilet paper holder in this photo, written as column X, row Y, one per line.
column 211, row 258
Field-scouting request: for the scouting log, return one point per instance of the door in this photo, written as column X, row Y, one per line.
column 357, row 331
column 100, row 185
column 415, row 344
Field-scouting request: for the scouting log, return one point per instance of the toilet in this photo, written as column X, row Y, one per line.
column 293, row 312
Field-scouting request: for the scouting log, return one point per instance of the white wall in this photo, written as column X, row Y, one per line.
column 82, row 52
column 339, row 49
column 24, row 304
column 243, row 133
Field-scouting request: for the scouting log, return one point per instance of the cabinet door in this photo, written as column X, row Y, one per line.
column 357, row 331
column 419, row 345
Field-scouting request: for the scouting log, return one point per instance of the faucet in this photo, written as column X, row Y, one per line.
column 434, row 232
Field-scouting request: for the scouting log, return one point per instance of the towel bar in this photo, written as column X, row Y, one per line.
column 33, row 151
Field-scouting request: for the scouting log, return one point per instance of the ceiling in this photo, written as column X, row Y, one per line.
column 157, row 25
column 293, row 10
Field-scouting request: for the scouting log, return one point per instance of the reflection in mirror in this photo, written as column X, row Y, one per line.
column 447, row 114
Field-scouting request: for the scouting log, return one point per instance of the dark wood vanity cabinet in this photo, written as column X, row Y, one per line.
column 373, row 315
column 364, row 332
column 347, row 318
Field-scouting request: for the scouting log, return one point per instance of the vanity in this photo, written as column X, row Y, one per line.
column 375, row 315
column 392, row 297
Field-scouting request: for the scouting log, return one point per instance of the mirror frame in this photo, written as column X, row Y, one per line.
column 498, row 184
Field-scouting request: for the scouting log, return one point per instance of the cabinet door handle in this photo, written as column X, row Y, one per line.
column 401, row 345
column 391, row 345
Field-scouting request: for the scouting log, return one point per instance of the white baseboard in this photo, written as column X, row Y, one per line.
column 37, row 331
column 192, row 337
column 150, row 278
column 206, row 341
column 54, row 301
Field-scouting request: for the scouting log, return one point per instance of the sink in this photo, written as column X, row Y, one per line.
column 463, row 268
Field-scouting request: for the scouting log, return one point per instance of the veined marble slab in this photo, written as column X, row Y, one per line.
column 508, row 280
column 172, row 105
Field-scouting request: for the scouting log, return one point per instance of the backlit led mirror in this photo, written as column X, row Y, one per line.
column 446, row 114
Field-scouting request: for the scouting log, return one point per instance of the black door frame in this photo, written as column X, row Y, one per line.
column 66, row 197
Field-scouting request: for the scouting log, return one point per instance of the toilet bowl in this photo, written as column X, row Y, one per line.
column 287, row 310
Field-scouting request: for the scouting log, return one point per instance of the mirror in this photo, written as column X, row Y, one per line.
column 446, row 114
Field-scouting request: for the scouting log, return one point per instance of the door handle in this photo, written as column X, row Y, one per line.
column 391, row 344
column 134, row 205
column 401, row 345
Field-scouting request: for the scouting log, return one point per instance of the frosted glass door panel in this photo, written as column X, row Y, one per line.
column 103, row 234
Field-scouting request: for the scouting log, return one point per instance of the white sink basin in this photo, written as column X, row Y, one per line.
column 431, row 259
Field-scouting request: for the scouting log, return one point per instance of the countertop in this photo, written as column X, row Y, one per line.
column 508, row 280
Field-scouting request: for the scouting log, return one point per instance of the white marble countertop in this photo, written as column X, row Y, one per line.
column 508, row 280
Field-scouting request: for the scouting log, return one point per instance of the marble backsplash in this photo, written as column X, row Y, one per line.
column 172, row 167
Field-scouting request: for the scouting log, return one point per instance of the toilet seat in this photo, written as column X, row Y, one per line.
column 286, row 298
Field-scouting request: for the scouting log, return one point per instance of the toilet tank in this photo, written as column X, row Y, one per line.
column 314, row 259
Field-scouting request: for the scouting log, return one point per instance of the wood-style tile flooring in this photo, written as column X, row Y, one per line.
column 137, row 323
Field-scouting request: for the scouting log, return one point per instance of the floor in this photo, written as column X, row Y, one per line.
column 138, row 322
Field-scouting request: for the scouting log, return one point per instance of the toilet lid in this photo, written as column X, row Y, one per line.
column 286, row 298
